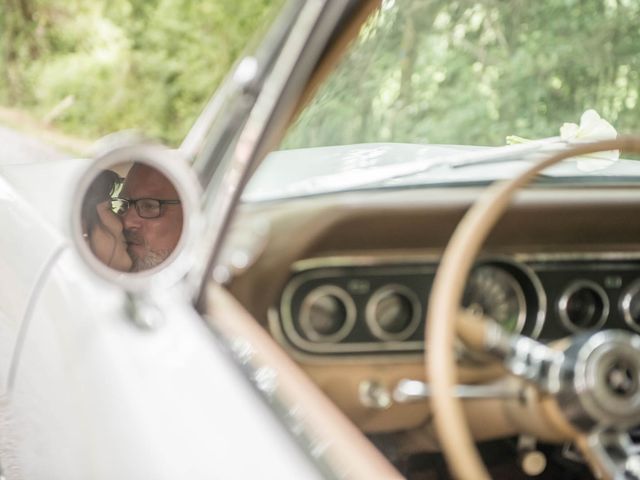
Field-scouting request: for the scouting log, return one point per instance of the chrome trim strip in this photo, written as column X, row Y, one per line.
column 564, row 299
column 409, row 391
column 362, row 261
column 578, row 256
column 412, row 258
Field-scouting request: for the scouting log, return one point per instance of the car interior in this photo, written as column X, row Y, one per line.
column 342, row 282
column 339, row 285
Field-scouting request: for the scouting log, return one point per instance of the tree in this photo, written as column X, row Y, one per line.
column 473, row 72
column 95, row 66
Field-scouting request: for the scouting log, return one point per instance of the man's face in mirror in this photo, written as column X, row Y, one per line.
column 151, row 228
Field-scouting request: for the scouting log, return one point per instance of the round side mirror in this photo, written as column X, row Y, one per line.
column 137, row 215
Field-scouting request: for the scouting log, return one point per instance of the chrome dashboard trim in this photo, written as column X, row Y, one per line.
column 387, row 259
column 578, row 256
column 402, row 260
column 362, row 261
column 347, row 348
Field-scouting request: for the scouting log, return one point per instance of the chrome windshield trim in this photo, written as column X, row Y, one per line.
column 222, row 196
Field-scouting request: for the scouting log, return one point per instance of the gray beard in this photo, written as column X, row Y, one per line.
column 150, row 260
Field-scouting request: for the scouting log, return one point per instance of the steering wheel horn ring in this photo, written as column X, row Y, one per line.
column 603, row 388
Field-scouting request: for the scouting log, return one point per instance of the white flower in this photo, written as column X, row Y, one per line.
column 592, row 129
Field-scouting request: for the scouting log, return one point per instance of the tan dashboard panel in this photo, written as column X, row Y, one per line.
column 400, row 225
column 341, row 383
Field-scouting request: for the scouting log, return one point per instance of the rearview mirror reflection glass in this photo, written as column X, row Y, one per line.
column 132, row 217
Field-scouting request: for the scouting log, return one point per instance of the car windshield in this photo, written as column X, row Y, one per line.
column 434, row 91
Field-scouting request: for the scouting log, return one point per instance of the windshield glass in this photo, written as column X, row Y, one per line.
column 446, row 79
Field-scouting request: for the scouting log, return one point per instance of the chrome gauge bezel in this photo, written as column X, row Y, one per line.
column 305, row 314
column 380, row 294
column 295, row 341
column 625, row 304
column 514, row 284
column 564, row 299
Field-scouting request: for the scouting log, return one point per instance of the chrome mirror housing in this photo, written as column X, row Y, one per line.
column 136, row 215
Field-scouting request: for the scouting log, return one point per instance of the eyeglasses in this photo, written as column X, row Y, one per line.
column 146, row 207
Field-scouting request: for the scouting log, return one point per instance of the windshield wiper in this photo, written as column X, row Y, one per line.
column 535, row 148
column 371, row 176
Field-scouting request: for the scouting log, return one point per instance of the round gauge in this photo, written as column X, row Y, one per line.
column 584, row 305
column 631, row 305
column 327, row 314
column 496, row 294
column 393, row 313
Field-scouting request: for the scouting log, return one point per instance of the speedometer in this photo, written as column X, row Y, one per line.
column 495, row 293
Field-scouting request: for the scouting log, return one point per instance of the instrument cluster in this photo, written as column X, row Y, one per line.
column 352, row 306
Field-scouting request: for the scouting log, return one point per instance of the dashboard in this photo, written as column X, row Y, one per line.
column 345, row 307
column 342, row 281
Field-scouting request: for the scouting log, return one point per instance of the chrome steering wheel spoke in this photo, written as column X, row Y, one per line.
column 615, row 453
column 523, row 357
column 595, row 381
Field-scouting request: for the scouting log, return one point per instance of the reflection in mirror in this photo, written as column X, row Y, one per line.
column 132, row 217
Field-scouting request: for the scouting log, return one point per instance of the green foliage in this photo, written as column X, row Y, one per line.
column 473, row 72
column 95, row 66
column 432, row 71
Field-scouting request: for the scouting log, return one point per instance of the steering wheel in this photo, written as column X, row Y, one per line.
column 574, row 383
